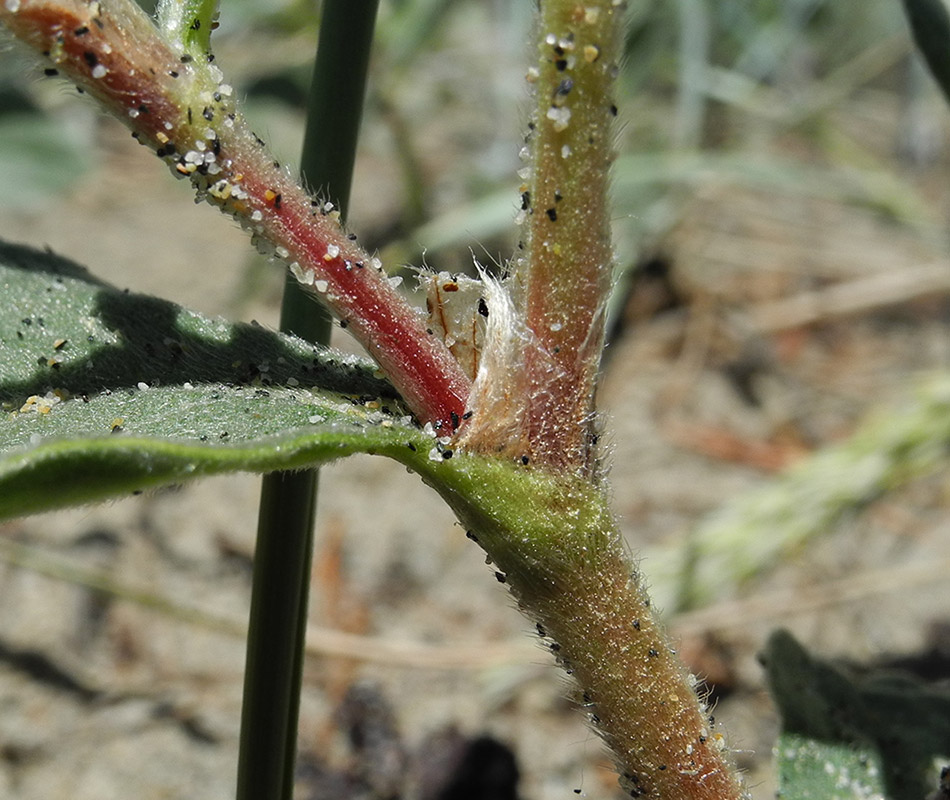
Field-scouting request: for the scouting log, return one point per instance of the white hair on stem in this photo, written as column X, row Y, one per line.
column 498, row 400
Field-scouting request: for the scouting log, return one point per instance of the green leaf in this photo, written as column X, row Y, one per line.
column 809, row 769
column 188, row 23
column 868, row 728
column 104, row 392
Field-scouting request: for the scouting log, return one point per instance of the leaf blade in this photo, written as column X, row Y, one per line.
column 55, row 473
column 105, row 392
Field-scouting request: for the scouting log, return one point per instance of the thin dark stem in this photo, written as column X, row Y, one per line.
column 275, row 636
column 288, row 500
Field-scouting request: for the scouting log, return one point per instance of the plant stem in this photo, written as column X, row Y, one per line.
column 562, row 277
column 275, row 636
column 568, row 262
column 554, row 542
column 278, row 617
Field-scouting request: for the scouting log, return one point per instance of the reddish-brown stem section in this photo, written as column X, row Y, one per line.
column 635, row 686
column 554, row 542
column 110, row 51
column 425, row 372
column 180, row 107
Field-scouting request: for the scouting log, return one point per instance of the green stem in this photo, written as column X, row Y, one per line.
column 569, row 255
column 554, row 542
column 563, row 276
column 284, row 551
column 930, row 25
column 188, row 24
column 275, row 636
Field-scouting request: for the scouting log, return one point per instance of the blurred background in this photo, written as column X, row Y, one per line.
column 776, row 398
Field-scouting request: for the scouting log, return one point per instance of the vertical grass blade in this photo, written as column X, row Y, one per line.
column 930, row 25
column 288, row 500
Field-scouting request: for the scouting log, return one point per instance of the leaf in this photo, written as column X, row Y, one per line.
column 188, row 23
column 105, row 392
column 809, row 769
column 878, row 727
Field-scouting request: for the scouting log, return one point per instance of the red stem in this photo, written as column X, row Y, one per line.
column 180, row 108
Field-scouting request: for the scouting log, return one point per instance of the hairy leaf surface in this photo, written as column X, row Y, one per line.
column 104, row 392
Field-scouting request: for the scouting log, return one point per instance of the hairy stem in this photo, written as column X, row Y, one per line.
column 533, row 396
column 180, row 106
column 554, row 542
column 566, row 267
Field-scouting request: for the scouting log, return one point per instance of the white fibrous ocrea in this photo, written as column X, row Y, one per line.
column 497, row 402
column 321, row 286
column 332, row 252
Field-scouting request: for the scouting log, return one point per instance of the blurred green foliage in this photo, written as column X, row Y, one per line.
column 854, row 730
